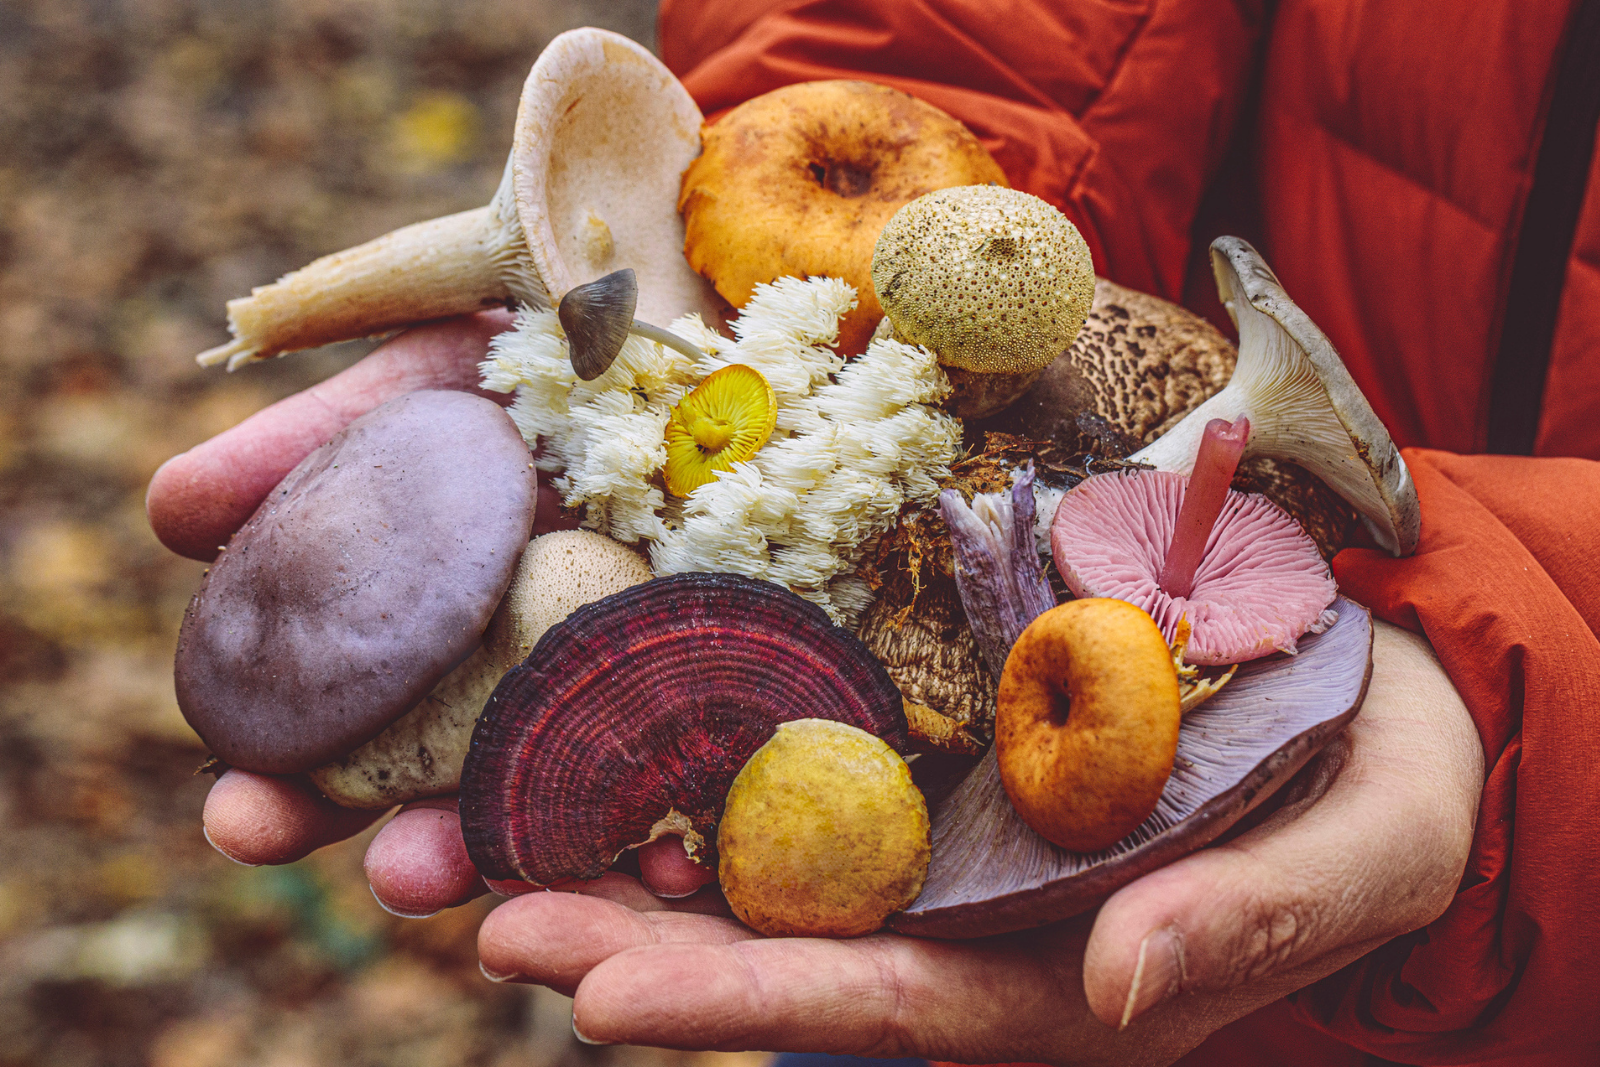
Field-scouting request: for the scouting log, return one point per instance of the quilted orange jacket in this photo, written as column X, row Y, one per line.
column 1391, row 162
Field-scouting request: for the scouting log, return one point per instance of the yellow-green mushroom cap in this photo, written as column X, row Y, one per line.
column 989, row 279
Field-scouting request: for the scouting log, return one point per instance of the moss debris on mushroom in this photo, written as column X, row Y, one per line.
column 990, row 279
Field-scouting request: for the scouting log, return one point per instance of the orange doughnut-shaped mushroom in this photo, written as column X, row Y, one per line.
column 1087, row 724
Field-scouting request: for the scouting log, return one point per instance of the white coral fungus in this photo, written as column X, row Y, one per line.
column 854, row 441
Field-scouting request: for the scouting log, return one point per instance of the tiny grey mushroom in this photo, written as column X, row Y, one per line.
column 597, row 318
column 362, row 579
column 991, row 874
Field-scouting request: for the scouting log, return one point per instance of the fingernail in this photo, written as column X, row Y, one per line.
column 1156, row 976
column 224, row 851
column 495, row 976
column 581, row 1036
column 397, row 912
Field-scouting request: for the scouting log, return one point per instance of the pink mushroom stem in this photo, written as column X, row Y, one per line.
column 1220, row 448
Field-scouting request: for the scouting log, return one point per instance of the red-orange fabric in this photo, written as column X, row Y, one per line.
column 1067, row 95
column 1397, row 144
column 1396, row 147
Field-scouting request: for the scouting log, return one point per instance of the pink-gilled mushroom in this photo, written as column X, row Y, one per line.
column 631, row 718
column 1302, row 404
column 991, row 873
column 603, row 134
column 1249, row 580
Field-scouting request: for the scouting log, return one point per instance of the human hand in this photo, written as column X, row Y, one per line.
column 1369, row 844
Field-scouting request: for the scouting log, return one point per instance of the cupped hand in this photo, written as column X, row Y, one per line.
column 1370, row 844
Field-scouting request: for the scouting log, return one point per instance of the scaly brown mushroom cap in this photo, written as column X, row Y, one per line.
column 990, row 279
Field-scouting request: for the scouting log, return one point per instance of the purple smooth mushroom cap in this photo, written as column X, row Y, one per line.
column 367, row 574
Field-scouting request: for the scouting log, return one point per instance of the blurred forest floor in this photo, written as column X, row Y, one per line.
column 158, row 157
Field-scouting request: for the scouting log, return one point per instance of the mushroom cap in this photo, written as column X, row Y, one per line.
column 604, row 132
column 632, row 717
column 559, row 573
column 1261, row 584
column 991, row 874
column 368, row 573
column 824, row 833
column 990, row 279
column 596, row 317
column 1302, row 403
column 724, row 420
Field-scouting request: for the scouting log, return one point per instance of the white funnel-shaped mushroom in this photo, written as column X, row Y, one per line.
column 1302, row 403
column 603, row 135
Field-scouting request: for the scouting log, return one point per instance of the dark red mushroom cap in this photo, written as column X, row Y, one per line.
column 367, row 574
column 1260, row 585
column 632, row 716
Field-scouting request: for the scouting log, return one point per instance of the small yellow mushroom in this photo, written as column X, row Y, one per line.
column 724, row 421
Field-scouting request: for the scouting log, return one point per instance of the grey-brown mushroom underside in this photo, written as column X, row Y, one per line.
column 991, row 874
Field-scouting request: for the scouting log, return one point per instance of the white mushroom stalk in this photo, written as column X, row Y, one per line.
column 604, row 132
column 1302, row 404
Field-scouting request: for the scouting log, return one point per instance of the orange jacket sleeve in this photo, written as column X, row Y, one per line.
column 1506, row 585
column 1072, row 97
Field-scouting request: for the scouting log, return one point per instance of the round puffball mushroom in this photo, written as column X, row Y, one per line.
column 603, row 134
column 992, row 280
column 823, row 835
column 421, row 754
column 363, row 578
column 1302, row 404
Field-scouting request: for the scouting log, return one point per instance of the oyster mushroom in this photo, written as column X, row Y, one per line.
column 991, row 874
column 995, row 282
column 1302, row 404
column 603, row 134
column 420, row 755
column 632, row 717
column 366, row 575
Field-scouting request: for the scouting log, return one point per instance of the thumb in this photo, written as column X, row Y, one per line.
column 1371, row 846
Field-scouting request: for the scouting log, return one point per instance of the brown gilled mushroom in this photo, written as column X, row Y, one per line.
column 603, row 133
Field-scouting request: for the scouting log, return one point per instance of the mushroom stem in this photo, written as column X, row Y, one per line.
column 665, row 337
column 447, row 266
column 1220, row 449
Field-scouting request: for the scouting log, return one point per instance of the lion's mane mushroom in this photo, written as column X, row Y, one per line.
column 603, row 133
column 420, row 755
column 366, row 575
column 993, row 281
column 1302, row 403
column 631, row 718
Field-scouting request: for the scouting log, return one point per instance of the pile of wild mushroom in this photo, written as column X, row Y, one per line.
column 800, row 570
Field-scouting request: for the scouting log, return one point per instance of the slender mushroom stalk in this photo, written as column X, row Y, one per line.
column 1302, row 403
column 604, row 132
column 1220, row 449
column 597, row 318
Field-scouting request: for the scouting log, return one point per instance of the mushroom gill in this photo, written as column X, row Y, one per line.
column 724, row 421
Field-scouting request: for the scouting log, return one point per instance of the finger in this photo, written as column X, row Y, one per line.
column 667, row 871
column 555, row 939
column 1375, row 849
column 198, row 499
column 256, row 818
column 418, row 863
column 883, row 995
